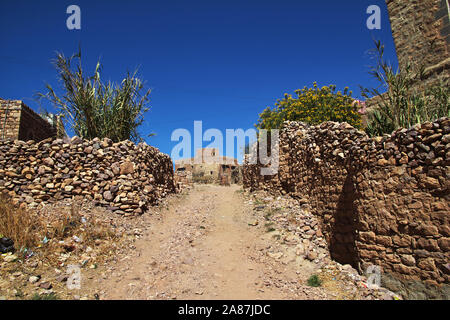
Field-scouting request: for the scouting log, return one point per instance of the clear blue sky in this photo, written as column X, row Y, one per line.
column 218, row 61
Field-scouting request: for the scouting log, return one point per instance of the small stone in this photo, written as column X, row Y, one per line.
column 107, row 195
column 46, row 285
column 10, row 258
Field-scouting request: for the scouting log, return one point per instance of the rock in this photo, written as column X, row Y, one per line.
column 62, row 278
column 33, row 279
column 10, row 258
column 311, row 255
column 49, row 162
column 276, row 255
column 107, row 195
column 127, row 167
column 45, row 285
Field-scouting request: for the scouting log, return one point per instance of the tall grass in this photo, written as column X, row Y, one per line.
column 399, row 104
column 94, row 108
column 19, row 224
column 28, row 228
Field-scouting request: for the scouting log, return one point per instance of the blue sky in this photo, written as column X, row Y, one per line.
column 221, row 62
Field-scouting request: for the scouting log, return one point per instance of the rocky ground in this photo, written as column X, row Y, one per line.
column 212, row 242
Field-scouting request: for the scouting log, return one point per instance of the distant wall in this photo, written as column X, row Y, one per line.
column 382, row 201
column 124, row 177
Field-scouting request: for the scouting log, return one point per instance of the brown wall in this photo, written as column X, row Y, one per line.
column 382, row 201
column 124, row 177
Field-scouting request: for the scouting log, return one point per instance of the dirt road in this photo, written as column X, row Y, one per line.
column 214, row 243
column 203, row 247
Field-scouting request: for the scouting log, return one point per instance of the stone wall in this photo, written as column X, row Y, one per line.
column 19, row 122
column 381, row 201
column 124, row 177
column 421, row 32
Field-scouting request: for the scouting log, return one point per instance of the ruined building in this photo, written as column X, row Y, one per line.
column 208, row 166
column 20, row 122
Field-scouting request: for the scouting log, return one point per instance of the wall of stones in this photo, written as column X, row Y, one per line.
column 381, row 201
column 124, row 177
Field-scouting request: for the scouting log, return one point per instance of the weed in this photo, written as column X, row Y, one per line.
column 21, row 225
column 47, row 296
column 314, row 281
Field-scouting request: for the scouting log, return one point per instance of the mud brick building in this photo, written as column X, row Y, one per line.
column 20, row 122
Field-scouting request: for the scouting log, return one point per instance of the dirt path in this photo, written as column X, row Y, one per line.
column 203, row 247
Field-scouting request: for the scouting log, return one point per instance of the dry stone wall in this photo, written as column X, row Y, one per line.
column 124, row 177
column 381, row 201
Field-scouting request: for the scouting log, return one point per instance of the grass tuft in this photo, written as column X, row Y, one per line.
column 314, row 281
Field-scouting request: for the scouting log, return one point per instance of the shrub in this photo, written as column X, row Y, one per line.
column 46, row 296
column 27, row 228
column 18, row 224
column 314, row 106
column 401, row 105
column 314, row 281
column 94, row 108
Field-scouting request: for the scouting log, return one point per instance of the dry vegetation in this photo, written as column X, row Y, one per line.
column 19, row 224
column 49, row 239
column 32, row 229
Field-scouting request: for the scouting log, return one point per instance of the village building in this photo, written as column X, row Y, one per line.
column 208, row 166
column 20, row 122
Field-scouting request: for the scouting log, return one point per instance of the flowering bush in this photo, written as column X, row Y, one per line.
column 314, row 106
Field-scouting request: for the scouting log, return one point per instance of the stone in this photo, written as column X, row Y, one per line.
column 276, row 255
column 311, row 255
column 107, row 195
column 45, row 285
column 10, row 258
column 49, row 162
column 127, row 167
column 408, row 260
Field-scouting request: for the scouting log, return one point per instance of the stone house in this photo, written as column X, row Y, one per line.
column 421, row 32
column 20, row 122
column 208, row 166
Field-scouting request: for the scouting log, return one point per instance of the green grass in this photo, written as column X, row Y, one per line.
column 49, row 296
column 258, row 202
column 269, row 227
column 314, row 281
